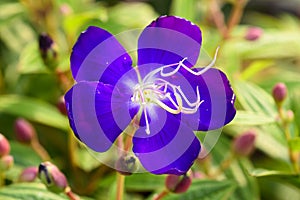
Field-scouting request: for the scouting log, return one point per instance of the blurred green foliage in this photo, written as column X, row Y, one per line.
column 30, row 89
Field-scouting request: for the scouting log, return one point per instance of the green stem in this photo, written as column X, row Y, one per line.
column 223, row 166
column 39, row 149
column 285, row 125
column 120, row 186
column 161, row 195
column 235, row 16
column 72, row 147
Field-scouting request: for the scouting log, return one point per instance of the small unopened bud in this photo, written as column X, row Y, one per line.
column 279, row 92
column 29, row 174
column 48, row 50
column 24, row 131
column 6, row 162
column 253, row 33
column 65, row 9
column 126, row 164
column 290, row 116
column 4, row 146
column 52, row 177
column 178, row 184
column 243, row 145
column 61, row 106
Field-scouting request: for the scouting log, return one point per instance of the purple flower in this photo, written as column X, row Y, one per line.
column 163, row 95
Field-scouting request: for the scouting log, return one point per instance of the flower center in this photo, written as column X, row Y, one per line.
column 158, row 91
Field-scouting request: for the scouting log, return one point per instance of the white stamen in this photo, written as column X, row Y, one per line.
column 154, row 90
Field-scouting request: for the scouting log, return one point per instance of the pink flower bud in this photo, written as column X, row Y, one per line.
column 4, row 146
column 126, row 164
column 290, row 116
column 243, row 145
column 253, row 33
column 178, row 184
column 24, row 131
column 29, row 174
column 279, row 92
column 52, row 177
column 6, row 162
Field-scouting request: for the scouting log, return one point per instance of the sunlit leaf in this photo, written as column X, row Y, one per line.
column 34, row 110
column 285, row 177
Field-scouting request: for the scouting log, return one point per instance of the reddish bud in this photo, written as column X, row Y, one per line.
column 52, row 177
column 279, row 92
column 6, row 162
column 243, row 145
column 29, row 174
column 4, row 146
column 253, row 33
column 126, row 164
column 61, row 106
column 24, row 131
column 178, row 184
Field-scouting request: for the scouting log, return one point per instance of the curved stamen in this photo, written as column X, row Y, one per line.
column 180, row 64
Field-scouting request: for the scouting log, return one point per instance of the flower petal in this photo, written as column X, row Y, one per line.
column 168, row 40
column 170, row 148
column 218, row 98
column 92, row 107
column 98, row 56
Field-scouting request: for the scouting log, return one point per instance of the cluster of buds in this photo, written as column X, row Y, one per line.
column 6, row 160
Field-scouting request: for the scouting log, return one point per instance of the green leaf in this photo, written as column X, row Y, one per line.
column 294, row 144
column 293, row 179
column 34, row 110
column 255, row 67
column 24, row 155
column 184, row 8
column 255, row 99
column 144, row 182
column 251, row 118
column 238, row 171
column 206, row 190
column 31, row 61
column 25, row 191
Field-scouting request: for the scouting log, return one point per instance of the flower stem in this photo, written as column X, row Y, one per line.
column 120, row 186
column 223, row 166
column 285, row 125
column 39, row 149
column 218, row 17
column 235, row 16
column 70, row 194
column 161, row 195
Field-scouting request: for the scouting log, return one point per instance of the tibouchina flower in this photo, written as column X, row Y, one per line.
column 163, row 96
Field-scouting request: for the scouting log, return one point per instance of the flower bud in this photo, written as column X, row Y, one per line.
column 4, row 146
column 290, row 116
column 253, row 33
column 61, row 106
column 243, row 145
column 29, row 174
column 24, row 131
column 178, row 184
column 126, row 164
column 47, row 50
column 279, row 92
column 6, row 162
column 52, row 177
